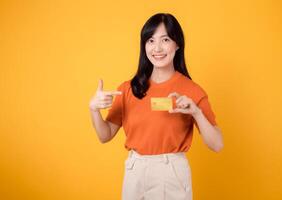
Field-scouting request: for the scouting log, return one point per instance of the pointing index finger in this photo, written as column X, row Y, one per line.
column 113, row 93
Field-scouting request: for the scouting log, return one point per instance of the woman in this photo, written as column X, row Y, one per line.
column 157, row 109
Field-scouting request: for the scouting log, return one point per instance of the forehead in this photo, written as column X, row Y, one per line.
column 160, row 31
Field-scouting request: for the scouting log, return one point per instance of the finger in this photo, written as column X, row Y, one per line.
column 106, row 97
column 106, row 102
column 174, row 94
column 175, row 110
column 187, row 106
column 178, row 100
column 108, row 105
column 100, row 85
column 184, row 106
column 180, row 105
column 113, row 93
column 105, row 105
column 181, row 102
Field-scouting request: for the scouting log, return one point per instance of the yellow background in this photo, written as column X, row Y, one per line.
column 52, row 54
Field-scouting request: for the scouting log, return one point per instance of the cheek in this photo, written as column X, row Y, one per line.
column 148, row 48
column 148, row 51
column 171, row 49
column 171, row 52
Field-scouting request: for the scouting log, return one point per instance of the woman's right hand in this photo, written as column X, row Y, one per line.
column 102, row 99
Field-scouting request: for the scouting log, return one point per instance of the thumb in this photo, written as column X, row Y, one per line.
column 100, row 85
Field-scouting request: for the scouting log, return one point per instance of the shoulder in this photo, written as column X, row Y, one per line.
column 192, row 88
column 124, row 86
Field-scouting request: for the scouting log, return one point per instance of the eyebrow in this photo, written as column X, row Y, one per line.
column 161, row 36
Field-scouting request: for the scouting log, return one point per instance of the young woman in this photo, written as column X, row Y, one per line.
column 157, row 109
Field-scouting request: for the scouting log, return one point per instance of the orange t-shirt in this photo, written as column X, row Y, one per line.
column 154, row 132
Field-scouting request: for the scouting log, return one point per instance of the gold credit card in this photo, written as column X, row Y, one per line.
column 161, row 103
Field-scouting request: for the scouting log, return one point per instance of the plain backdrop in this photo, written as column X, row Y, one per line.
column 52, row 54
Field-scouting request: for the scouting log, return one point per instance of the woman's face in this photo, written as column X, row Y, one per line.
column 160, row 48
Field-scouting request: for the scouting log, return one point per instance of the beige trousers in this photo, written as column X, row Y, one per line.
column 157, row 177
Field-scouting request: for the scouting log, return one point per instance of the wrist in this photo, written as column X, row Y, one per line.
column 197, row 113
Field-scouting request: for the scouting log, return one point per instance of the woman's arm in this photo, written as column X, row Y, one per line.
column 211, row 134
column 101, row 100
column 104, row 129
column 101, row 127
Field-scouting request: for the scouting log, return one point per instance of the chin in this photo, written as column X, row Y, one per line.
column 160, row 65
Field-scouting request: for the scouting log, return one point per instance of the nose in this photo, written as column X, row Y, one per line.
column 158, row 47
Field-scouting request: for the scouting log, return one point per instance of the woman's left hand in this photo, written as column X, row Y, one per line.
column 184, row 104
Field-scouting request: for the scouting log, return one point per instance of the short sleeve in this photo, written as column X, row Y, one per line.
column 115, row 111
column 205, row 106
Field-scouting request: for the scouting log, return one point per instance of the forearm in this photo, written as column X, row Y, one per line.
column 211, row 135
column 102, row 128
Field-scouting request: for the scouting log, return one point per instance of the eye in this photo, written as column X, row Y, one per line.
column 150, row 40
column 166, row 39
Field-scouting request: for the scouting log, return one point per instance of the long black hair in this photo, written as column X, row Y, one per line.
column 140, row 82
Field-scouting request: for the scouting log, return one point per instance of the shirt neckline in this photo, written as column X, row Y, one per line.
column 175, row 75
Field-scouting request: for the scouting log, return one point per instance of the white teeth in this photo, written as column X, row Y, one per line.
column 160, row 56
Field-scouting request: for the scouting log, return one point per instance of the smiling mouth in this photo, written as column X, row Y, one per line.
column 158, row 57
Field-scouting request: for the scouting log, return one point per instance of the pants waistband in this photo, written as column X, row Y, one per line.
column 165, row 156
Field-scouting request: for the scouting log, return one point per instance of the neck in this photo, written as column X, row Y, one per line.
column 161, row 74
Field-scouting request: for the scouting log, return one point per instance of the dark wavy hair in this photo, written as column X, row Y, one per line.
column 140, row 82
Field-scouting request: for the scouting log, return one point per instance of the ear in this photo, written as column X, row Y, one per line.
column 177, row 48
